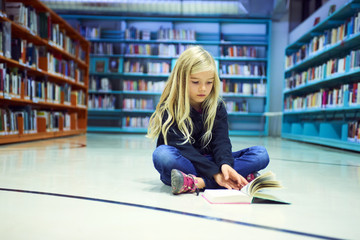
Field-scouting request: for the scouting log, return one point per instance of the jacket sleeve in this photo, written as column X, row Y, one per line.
column 220, row 143
column 203, row 166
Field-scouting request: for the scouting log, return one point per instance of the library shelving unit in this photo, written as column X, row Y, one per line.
column 44, row 71
column 322, row 80
column 132, row 57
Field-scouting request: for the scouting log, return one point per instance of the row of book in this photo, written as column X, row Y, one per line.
column 257, row 89
column 250, row 69
column 52, row 120
column 36, row 57
column 328, row 38
column 354, row 131
column 237, row 106
column 325, row 70
column 135, row 122
column 5, row 39
column 104, row 48
column 9, row 124
column 176, row 34
column 138, row 104
column 111, row 65
column 100, row 84
column 40, row 23
column 80, row 98
column 105, row 102
column 142, row 85
column 34, row 89
column 23, row 15
column 133, row 33
column 149, row 67
column 242, row 51
column 346, row 94
column 24, row 52
column 59, row 38
column 168, row 50
column 105, row 85
column 173, row 50
column 90, row 32
column 19, row 86
column 55, row 64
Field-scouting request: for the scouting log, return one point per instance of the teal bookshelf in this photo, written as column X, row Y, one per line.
column 240, row 48
column 321, row 97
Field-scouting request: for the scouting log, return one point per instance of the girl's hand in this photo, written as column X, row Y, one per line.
column 229, row 178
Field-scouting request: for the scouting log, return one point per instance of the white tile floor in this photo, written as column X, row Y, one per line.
column 103, row 186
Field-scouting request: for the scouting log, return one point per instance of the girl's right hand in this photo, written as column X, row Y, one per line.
column 229, row 178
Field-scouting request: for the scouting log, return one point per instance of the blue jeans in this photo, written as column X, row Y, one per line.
column 246, row 161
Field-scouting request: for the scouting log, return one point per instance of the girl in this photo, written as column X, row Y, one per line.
column 190, row 123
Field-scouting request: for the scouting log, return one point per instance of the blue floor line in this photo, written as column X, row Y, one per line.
column 175, row 212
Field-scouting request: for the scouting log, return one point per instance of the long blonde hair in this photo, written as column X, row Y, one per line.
column 175, row 99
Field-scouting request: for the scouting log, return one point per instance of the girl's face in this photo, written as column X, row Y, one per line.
column 200, row 85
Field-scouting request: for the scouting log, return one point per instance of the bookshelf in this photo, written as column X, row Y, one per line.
column 44, row 71
column 322, row 79
column 132, row 57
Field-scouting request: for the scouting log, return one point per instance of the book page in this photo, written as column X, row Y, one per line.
column 266, row 180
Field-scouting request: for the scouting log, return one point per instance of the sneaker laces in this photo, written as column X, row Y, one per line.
column 190, row 184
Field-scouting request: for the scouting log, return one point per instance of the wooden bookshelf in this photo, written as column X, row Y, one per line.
column 321, row 98
column 43, row 80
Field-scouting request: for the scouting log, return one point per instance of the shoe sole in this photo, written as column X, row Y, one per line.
column 177, row 181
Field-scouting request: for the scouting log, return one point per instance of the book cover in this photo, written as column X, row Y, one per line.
column 100, row 66
column 114, row 65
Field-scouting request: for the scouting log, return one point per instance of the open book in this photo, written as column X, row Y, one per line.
column 246, row 194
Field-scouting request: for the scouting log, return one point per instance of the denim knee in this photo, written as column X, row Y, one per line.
column 163, row 157
column 263, row 156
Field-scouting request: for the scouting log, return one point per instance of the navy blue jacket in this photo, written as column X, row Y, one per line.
column 219, row 147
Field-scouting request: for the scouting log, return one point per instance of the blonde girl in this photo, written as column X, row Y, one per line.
column 190, row 124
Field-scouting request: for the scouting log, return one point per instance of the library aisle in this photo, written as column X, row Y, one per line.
column 104, row 186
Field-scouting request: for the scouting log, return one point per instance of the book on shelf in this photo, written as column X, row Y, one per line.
column 247, row 194
column 237, row 106
column 100, row 84
column 243, row 69
column 354, row 131
column 135, row 122
column 102, row 102
column 114, row 65
column 242, row 51
column 142, row 85
column 138, row 104
column 5, row 28
column 100, row 66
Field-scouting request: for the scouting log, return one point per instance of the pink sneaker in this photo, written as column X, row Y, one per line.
column 182, row 183
column 252, row 176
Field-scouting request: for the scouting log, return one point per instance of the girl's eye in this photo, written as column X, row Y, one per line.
column 195, row 82
column 209, row 82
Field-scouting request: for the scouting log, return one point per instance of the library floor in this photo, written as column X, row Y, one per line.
column 104, row 186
